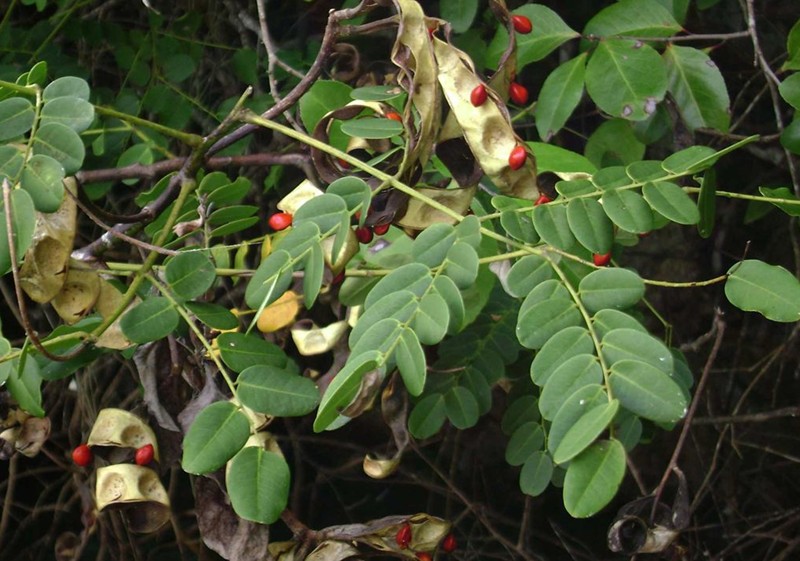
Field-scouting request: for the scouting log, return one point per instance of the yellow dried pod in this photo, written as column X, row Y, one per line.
column 117, row 427
column 380, row 468
column 317, row 340
column 78, row 294
column 349, row 249
column 44, row 269
column 332, row 550
column 280, row 313
column 137, row 492
column 301, row 194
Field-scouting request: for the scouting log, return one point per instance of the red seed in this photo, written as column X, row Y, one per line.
column 82, row 455
column 643, row 234
column 403, row 536
column 344, row 164
column 380, row 229
column 517, row 157
column 601, row 260
column 338, row 279
column 144, row 455
column 449, row 543
column 364, row 234
column 518, row 93
column 478, row 95
column 394, row 116
column 521, row 24
column 424, row 556
column 280, row 221
column 542, row 200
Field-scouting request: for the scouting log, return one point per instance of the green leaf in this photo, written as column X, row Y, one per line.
column 524, row 442
column 461, row 407
column 229, row 193
column 790, row 137
column 276, row 392
column 707, row 203
column 411, row 361
column 610, row 288
column 545, row 319
column 645, row 170
column 258, row 484
column 590, row 225
column 564, row 345
column 520, row 411
column 414, row 277
column 549, row 31
column 16, row 117
column 213, row 315
column 625, row 343
column 218, row 432
column 372, row 128
column 527, row 273
column 353, row 190
column 153, row 319
column 519, row 225
column 771, row 290
column 560, row 94
column 427, row 417
column 326, row 211
column 299, row 239
column 23, row 224
column 585, row 430
column 573, row 408
column 628, row 210
column 178, row 67
column 400, row 305
column 312, row 277
column 689, row 159
column 271, row 279
column 553, row 226
column 67, row 86
column 790, row 205
column 647, row 391
column 671, row 202
column 460, row 13
column 62, row 144
column 431, row 246
column 626, row 78
column 536, row 473
column 614, row 143
column 240, row 351
column 431, row 320
column 11, row 162
column 71, row 111
column 42, row 178
column 609, row 319
column 593, row 478
column 190, row 274
column 554, row 158
column 26, row 386
column 698, row 88
column 322, row 97
column 461, row 264
column 344, row 387
column 793, row 48
column 376, row 93
column 447, row 289
column 637, row 18
column 573, row 374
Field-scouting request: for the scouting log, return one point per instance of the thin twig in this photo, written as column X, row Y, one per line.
column 687, row 423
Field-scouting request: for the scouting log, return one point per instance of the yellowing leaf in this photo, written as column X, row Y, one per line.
column 78, row 295
column 280, row 313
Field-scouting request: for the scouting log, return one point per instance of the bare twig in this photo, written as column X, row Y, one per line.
column 687, row 423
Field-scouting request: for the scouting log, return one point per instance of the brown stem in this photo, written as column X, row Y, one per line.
column 687, row 422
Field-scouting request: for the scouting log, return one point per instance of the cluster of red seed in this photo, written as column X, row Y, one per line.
column 82, row 455
column 403, row 539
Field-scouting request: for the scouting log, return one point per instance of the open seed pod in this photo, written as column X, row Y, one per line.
column 137, row 492
column 426, row 531
column 117, row 427
column 300, row 195
column 348, row 250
